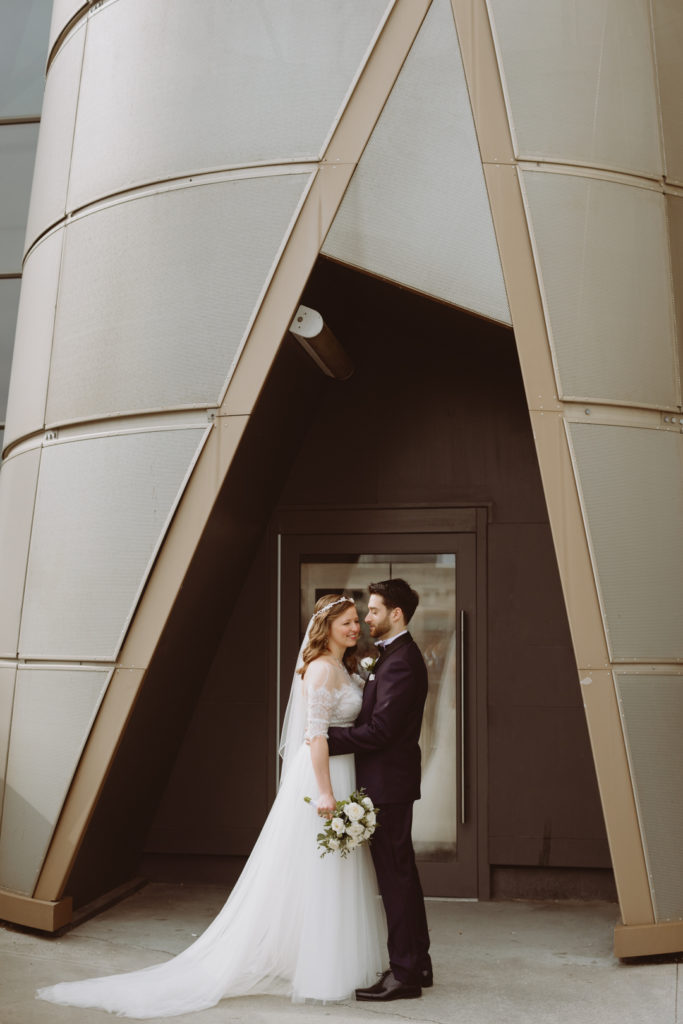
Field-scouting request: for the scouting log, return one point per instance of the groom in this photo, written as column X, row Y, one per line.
column 385, row 742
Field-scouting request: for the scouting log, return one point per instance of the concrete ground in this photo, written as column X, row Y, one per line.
column 494, row 963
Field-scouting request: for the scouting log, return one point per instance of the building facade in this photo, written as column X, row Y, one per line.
column 483, row 203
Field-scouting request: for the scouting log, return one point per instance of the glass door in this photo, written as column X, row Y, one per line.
column 441, row 569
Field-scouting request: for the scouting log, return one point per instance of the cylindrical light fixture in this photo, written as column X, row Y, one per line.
column 311, row 331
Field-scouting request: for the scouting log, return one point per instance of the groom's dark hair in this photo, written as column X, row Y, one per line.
column 397, row 594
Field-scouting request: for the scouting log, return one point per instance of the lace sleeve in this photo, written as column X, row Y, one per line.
column 320, row 697
column 358, row 680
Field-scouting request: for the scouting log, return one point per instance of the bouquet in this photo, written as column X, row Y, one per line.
column 352, row 824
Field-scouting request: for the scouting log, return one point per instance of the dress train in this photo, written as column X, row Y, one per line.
column 295, row 924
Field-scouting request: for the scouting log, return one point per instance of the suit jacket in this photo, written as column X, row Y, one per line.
column 386, row 733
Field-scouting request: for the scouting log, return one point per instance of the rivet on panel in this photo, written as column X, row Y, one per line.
column 587, row 412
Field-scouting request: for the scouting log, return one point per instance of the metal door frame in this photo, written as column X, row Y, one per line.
column 340, row 531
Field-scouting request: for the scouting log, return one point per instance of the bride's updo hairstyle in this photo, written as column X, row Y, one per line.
column 328, row 608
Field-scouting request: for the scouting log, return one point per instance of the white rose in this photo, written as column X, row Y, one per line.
column 351, row 844
column 338, row 826
column 367, row 803
column 333, row 844
column 356, row 831
column 354, row 812
column 370, row 818
column 367, row 663
column 367, row 833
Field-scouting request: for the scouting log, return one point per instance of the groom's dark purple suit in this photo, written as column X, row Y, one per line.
column 385, row 743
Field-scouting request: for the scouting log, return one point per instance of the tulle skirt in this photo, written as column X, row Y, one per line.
column 295, row 924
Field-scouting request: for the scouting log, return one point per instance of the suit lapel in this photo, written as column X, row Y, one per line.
column 370, row 690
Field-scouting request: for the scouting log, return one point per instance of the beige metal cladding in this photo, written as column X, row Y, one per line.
column 668, row 42
column 22, row 62
column 580, row 133
column 146, row 330
column 41, row 760
column 64, row 13
column 416, row 210
column 651, row 709
column 17, row 150
column 23, row 43
column 566, row 100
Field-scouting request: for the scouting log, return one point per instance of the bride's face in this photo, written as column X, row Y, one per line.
column 345, row 629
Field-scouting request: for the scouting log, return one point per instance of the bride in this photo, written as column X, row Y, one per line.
column 295, row 924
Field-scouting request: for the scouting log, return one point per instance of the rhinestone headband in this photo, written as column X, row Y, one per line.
column 340, row 600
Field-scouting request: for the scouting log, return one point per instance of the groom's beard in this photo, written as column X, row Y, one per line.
column 381, row 630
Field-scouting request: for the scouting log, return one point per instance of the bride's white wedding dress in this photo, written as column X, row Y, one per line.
column 295, row 924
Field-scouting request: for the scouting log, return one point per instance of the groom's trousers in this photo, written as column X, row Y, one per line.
column 399, row 884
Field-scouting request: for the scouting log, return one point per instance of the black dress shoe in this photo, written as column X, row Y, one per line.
column 378, row 986
column 387, row 988
column 426, row 978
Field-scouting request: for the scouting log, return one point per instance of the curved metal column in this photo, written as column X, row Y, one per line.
column 187, row 172
column 585, row 197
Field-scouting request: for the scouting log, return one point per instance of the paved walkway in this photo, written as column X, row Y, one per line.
column 494, row 963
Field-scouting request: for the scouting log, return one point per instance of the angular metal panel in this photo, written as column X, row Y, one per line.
column 244, row 83
column 157, row 294
column 23, row 49
column 7, row 679
column 652, row 712
column 580, row 81
column 9, row 305
column 54, row 710
column 668, row 34
column 675, row 212
column 62, row 13
column 17, row 155
column 416, row 210
column 18, row 481
column 632, row 496
column 603, row 256
column 102, row 508
column 53, row 156
column 33, row 341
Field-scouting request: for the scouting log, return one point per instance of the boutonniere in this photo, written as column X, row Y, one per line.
column 368, row 664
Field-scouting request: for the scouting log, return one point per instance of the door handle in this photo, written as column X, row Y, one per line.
column 463, row 676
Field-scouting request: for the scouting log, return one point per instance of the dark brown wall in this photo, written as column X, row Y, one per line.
column 435, row 414
column 218, row 793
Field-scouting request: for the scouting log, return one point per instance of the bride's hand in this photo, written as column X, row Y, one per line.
column 326, row 805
